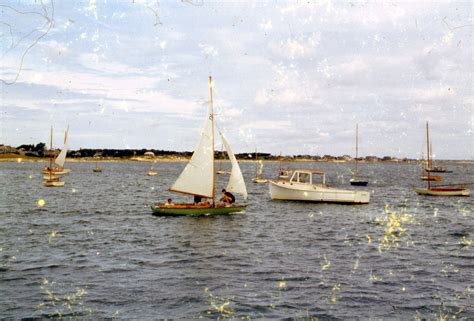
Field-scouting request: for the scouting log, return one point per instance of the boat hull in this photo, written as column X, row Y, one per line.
column 57, row 171
column 190, row 210
column 283, row 190
column 152, row 173
column 358, row 182
column 431, row 178
column 97, row 170
column 443, row 191
column 259, row 180
column 221, row 172
column 437, row 170
column 48, row 183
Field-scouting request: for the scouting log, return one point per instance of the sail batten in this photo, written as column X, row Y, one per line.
column 236, row 182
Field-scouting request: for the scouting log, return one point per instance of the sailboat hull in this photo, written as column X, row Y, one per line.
column 53, row 183
column 438, row 191
column 259, row 180
column 431, row 178
column 191, row 210
column 152, row 173
column 57, row 171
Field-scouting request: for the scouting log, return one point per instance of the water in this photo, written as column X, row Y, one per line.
column 94, row 249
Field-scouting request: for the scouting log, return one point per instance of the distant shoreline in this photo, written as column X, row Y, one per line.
column 169, row 159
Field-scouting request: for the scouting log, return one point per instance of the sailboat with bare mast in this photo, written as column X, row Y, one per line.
column 439, row 190
column 199, row 177
column 357, row 181
column 222, row 171
column 258, row 170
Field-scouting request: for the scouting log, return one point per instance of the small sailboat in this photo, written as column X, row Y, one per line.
column 258, row 171
column 425, row 177
column 51, row 180
column 282, row 172
column 435, row 169
column 199, row 178
column 58, row 167
column 300, row 187
column 97, row 169
column 152, row 171
column 355, row 180
column 439, row 190
column 222, row 171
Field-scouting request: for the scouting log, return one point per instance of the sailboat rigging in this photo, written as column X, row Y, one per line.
column 51, row 180
column 439, row 190
column 58, row 166
column 199, row 177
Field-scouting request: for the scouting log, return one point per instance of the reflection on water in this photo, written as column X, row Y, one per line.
column 93, row 249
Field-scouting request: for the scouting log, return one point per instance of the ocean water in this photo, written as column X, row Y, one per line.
column 93, row 249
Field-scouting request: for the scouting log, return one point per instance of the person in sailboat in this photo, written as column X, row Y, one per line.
column 197, row 199
column 170, row 202
column 227, row 197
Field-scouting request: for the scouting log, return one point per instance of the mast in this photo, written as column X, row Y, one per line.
column 51, row 152
column 213, row 163
column 256, row 164
column 428, row 151
column 357, row 151
column 281, row 169
column 422, row 164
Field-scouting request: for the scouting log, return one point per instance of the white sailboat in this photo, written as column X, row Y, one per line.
column 152, row 171
column 199, row 177
column 58, row 167
column 258, row 170
column 51, row 180
column 300, row 187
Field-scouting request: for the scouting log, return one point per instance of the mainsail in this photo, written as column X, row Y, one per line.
column 197, row 177
column 236, row 182
column 62, row 155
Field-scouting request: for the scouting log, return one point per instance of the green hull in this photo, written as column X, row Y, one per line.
column 160, row 211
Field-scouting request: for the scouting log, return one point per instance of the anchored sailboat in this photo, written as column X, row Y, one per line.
column 152, row 171
column 199, row 178
column 282, row 172
column 439, row 190
column 222, row 171
column 258, row 170
column 51, row 180
column 357, row 181
column 58, row 167
column 425, row 177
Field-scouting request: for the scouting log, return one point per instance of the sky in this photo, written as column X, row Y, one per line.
column 289, row 76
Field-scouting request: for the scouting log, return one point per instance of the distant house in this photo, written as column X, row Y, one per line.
column 149, row 155
column 4, row 149
column 372, row 159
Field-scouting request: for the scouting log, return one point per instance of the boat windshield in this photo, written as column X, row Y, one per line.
column 306, row 176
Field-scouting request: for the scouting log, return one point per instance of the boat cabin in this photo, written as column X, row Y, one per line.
column 306, row 176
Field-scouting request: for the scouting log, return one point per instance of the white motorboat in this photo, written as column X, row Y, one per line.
column 300, row 187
